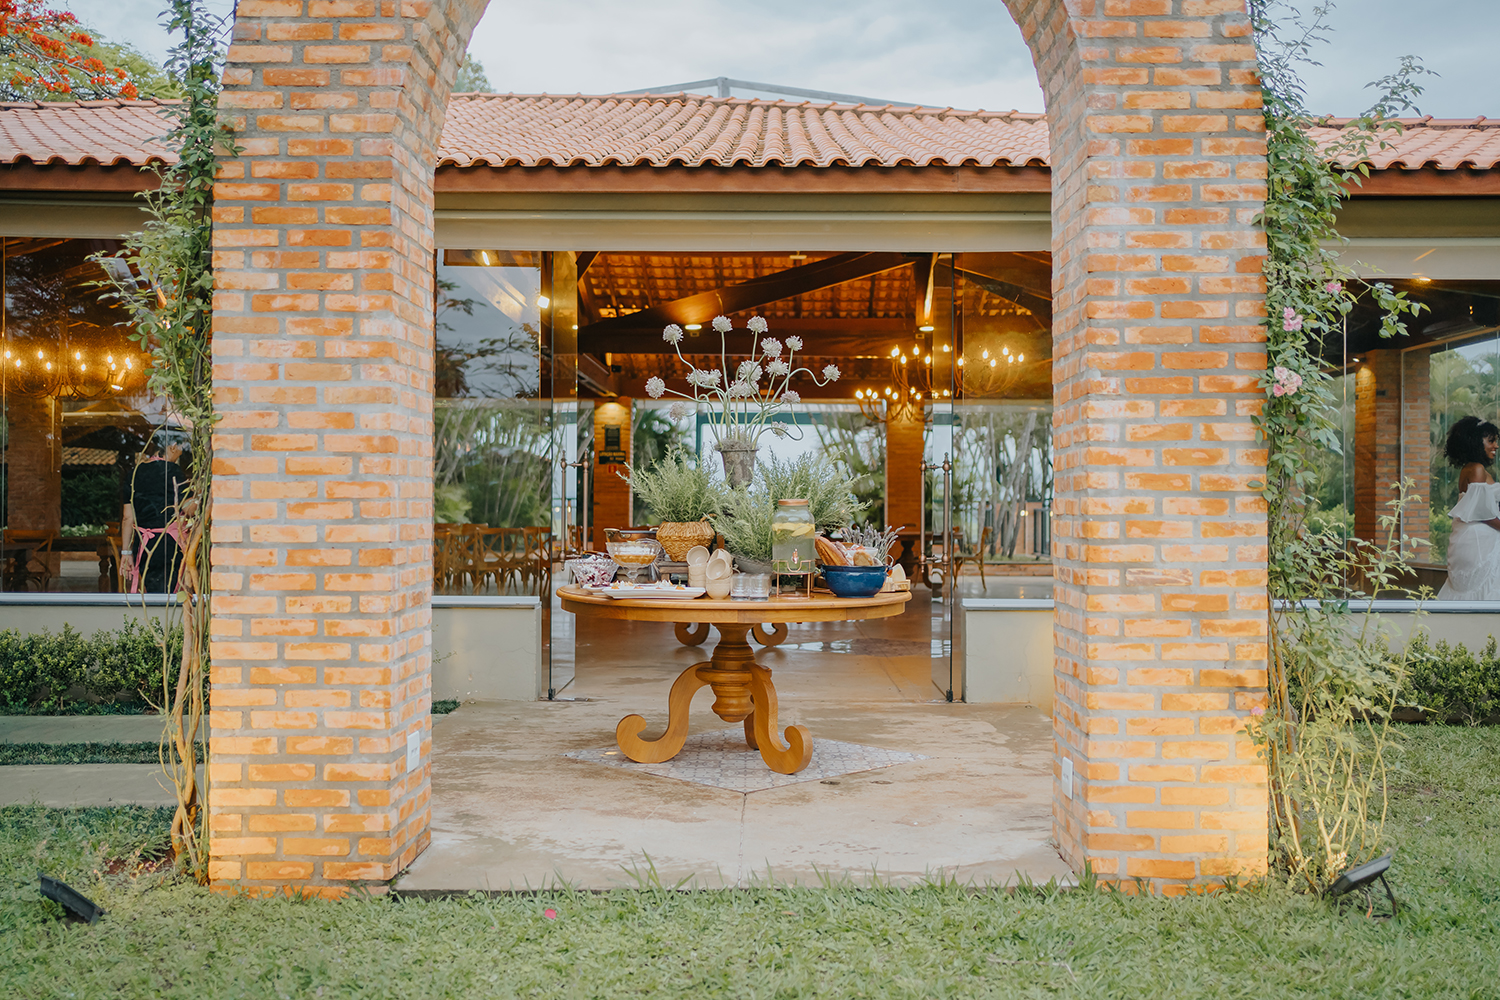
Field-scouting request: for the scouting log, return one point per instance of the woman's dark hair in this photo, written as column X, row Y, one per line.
column 1466, row 441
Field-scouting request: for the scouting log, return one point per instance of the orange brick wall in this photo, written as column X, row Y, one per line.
column 1159, row 551
column 323, row 364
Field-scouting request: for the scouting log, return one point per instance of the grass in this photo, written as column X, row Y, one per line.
column 163, row 938
column 83, row 753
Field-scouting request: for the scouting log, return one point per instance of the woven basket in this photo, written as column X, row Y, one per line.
column 676, row 537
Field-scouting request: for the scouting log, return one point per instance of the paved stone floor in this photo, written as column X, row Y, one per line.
column 512, row 809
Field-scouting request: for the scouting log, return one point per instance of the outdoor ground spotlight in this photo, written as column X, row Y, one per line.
column 1362, row 877
column 74, row 903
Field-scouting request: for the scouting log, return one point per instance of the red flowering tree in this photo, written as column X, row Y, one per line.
column 46, row 55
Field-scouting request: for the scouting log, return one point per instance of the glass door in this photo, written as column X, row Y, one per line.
column 1001, row 499
column 938, row 335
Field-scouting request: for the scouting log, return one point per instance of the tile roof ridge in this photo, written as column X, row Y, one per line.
column 109, row 102
column 1426, row 121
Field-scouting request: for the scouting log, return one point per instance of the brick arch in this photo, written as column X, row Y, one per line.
column 323, row 373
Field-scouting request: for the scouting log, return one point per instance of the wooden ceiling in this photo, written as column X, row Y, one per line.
column 850, row 309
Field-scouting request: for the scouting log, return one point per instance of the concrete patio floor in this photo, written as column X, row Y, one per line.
column 510, row 811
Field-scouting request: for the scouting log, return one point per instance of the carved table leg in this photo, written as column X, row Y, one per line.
column 769, row 636
column 692, row 635
column 783, row 758
column 742, row 691
column 669, row 743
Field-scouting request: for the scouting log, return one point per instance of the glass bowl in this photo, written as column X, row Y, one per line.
column 633, row 555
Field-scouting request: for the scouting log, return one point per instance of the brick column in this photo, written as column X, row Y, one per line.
column 612, row 506
column 1377, row 438
column 323, row 368
column 33, row 485
column 1160, row 559
column 1392, row 441
column 1416, row 450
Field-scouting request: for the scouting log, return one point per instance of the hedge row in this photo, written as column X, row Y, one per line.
column 1449, row 683
column 42, row 673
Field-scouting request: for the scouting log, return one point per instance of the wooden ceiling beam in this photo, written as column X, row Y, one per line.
column 759, row 291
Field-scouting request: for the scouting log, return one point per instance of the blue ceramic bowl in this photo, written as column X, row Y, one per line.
column 854, row 581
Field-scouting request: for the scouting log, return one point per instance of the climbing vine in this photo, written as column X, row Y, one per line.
column 170, row 300
column 1325, row 733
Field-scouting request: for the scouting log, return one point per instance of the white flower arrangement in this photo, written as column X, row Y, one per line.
column 743, row 409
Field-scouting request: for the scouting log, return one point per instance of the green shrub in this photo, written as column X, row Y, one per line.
column 1449, row 682
column 42, row 673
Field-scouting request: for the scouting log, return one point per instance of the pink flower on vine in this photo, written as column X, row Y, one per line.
column 1286, row 381
column 1257, row 710
column 1334, row 287
column 1291, row 320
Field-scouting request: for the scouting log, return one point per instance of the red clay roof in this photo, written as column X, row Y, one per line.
column 528, row 130
column 501, row 130
column 1443, row 143
column 84, row 132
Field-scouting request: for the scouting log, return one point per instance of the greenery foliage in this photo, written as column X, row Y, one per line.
column 171, row 306
column 1326, row 730
column 745, row 521
column 1450, row 683
column 471, row 77
column 46, row 673
column 490, row 463
column 15, row 754
column 678, row 487
column 47, row 55
column 166, row 937
column 828, row 489
column 90, row 496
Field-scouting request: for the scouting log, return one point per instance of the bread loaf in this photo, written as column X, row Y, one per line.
column 829, row 553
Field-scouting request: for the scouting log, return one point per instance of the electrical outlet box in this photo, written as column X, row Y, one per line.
column 413, row 750
column 1067, row 776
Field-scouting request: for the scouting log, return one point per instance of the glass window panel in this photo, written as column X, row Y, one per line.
column 493, row 483
column 78, row 418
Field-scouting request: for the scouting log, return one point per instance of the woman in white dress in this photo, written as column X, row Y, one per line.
column 1474, row 546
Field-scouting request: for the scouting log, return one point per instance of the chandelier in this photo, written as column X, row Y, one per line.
column 911, row 383
column 64, row 370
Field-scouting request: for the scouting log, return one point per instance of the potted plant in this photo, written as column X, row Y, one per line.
column 741, row 409
column 746, row 515
column 680, row 494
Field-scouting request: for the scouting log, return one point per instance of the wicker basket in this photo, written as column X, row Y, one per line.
column 676, row 537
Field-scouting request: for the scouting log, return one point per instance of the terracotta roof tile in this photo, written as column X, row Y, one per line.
column 79, row 132
column 502, row 130
column 1443, row 143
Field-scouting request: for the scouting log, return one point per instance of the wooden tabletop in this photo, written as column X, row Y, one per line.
column 818, row 608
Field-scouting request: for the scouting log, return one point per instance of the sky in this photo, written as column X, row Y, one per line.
column 944, row 53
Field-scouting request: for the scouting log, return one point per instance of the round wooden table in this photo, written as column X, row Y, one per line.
column 742, row 688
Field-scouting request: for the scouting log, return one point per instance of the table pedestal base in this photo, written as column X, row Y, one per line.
column 743, row 692
column 694, row 634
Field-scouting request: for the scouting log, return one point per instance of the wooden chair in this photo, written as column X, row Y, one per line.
column 974, row 555
column 490, row 559
column 36, row 567
column 536, row 561
column 447, row 556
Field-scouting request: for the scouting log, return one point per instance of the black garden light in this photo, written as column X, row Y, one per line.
column 76, row 904
column 1362, row 877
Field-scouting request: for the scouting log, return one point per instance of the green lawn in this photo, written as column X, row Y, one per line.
column 164, row 939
